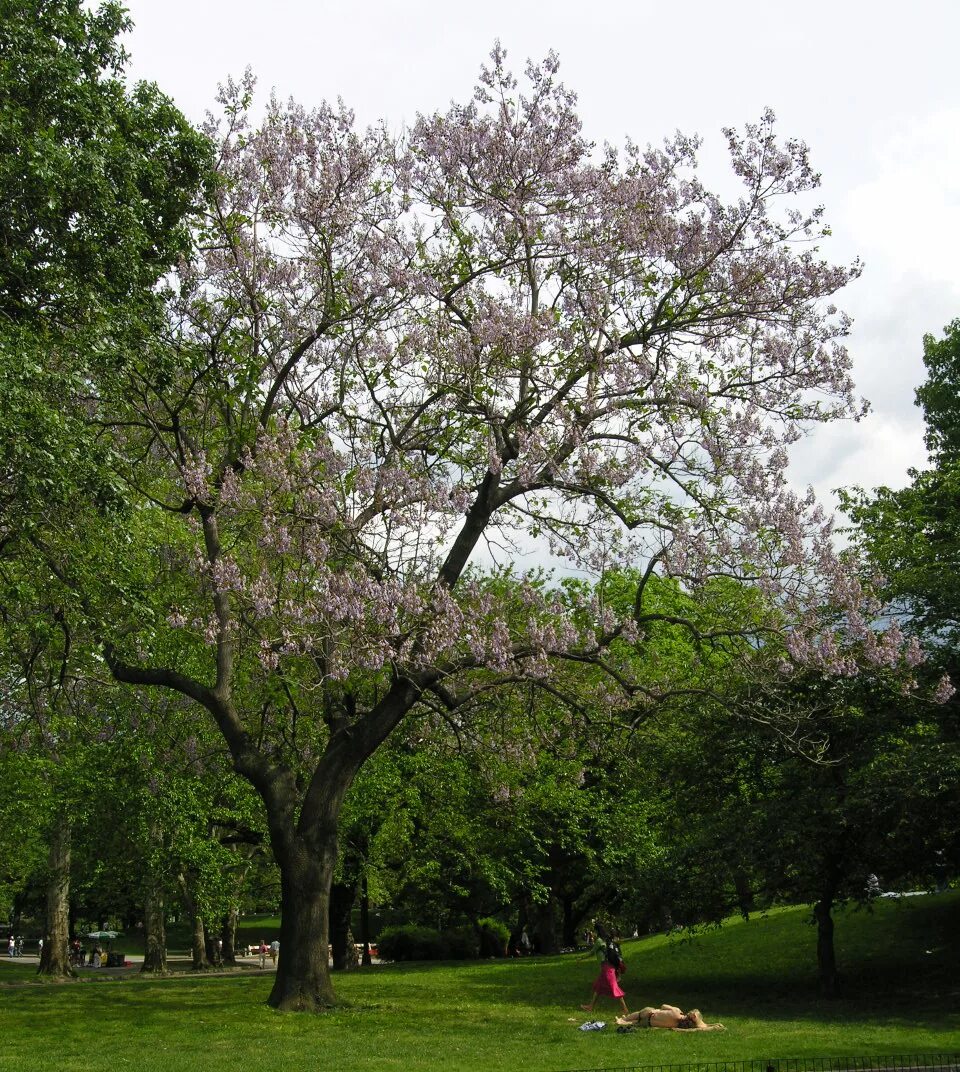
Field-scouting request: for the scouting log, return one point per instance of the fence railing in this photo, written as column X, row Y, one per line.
column 923, row 1062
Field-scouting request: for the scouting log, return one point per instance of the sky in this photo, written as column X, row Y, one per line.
column 872, row 87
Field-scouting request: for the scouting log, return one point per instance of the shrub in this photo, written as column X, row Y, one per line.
column 410, row 942
column 494, row 936
column 460, row 943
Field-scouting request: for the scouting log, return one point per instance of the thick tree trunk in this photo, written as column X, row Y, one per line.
column 569, row 922
column 228, row 935
column 55, row 958
column 212, row 947
column 199, row 945
column 826, row 954
column 741, row 883
column 545, row 926
column 154, row 933
column 365, row 920
column 303, row 982
column 342, row 896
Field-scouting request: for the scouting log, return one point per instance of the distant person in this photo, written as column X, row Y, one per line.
column 262, row 952
column 607, row 982
column 525, row 947
column 274, row 952
column 40, row 947
column 11, row 947
column 669, row 1017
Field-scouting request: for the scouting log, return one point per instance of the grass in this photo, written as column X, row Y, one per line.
column 902, row 997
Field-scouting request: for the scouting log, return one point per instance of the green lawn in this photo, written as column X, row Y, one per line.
column 902, row 997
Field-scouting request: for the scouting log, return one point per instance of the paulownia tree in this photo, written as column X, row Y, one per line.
column 390, row 354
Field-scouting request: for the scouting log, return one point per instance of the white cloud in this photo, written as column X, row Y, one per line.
column 909, row 215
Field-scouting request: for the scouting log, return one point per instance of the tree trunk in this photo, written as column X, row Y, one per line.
column 302, row 982
column 569, row 922
column 365, row 920
column 55, row 958
column 741, row 883
column 228, row 935
column 154, row 932
column 198, row 944
column 545, row 926
column 826, row 955
column 212, row 947
column 342, row 896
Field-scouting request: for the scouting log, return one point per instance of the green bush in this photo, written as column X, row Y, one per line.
column 494, row 936
column 460, row 943
column 410, row 942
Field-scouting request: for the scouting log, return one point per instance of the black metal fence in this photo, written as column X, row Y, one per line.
column 925, row 1062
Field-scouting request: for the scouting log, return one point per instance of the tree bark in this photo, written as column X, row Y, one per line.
column 342, row 896
column 826, row 954
column 154, row 932
column 569, row 922
column 198, row 944
column 302, row 982
column 545, row 925
column 212, row 946
column 741, row 883
column 55, row 958
column 228, row 935
column 365, row 920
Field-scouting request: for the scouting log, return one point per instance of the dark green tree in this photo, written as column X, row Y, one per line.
column 912, row 535
column 97, row 180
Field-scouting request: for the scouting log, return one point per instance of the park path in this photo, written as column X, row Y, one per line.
column 179, row 964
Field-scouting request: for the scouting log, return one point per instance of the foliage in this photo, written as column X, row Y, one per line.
column 913, row 537
column 24, row 813
column 95, row 179
column 95, row 183
column 411, row 941
column 910, row 535
column 494, row 936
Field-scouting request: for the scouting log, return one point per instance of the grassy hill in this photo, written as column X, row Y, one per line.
column 886, row 952
column 902, row 996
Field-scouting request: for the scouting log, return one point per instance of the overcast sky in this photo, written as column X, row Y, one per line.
column 872, row 87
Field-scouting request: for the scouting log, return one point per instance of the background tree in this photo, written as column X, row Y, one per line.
column 911, row 535
column 762, row 821
column 95, row 182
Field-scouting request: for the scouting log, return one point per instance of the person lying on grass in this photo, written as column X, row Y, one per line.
column 670, row 1017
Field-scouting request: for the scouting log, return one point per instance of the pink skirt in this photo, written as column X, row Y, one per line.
column 606, row 982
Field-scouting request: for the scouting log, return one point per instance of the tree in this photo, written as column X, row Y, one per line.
column 762, row 819
column 95, row 180
column 389, row 353
column 95, row 183
column 911, row 535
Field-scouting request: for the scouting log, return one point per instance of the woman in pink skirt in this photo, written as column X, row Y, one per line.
column 608, row 981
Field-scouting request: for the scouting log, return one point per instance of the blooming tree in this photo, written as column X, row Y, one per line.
column 390, row 353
